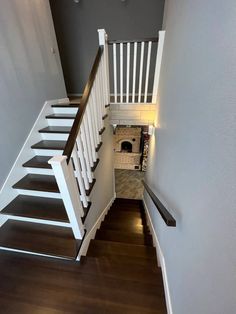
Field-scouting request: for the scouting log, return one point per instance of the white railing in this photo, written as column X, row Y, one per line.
column 72, row 170
column 133, row 62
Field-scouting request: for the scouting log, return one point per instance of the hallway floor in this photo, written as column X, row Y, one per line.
column 128, row 183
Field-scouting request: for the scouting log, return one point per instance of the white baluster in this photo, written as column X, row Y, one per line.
column 82, row 161
column 68, row 187
column 134, row 71
column 91, row 134
column 79, row 177
column 95, row 117
column 128, row 69
column 86, row 141
column 115, row 71
column 121, row 72
column 147, row 70
column 86, row 155
column 141, row 72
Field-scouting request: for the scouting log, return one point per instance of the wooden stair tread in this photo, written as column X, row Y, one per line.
column 124, row 236
column 38, row 162
column 61, row 116
column 125, row 226
column 37, row 182
column 37, row 207
column 48, row 144
column 67, row 105
column 56, row 129
column 102, row 247
column 117, row 269
column 39, row 238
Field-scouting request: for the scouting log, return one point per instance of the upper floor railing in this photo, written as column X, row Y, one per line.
column 135, row 69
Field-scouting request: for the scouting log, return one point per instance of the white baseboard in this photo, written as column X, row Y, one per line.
column 160, row 260
column 91, row 234
column 7, row 193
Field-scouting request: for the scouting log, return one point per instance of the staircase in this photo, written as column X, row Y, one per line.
column 118, row 275
column 37, row 223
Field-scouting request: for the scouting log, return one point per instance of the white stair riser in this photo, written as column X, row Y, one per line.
column 40, row 171
column 54, row 136
column 47, row 152
column 60, row 122
column 39, row 221
column 39, row 193
column 65, row 110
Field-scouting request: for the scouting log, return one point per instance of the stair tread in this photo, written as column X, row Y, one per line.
column 61, row 116
column 37, row 207
column 56, row 129
column 39, row 238
column 124, row 237
column 102, row 247
column 47, row 144
column 66, row 105
column 37, row 182
column 38, row 162
column 117, row 269
column 127, row 226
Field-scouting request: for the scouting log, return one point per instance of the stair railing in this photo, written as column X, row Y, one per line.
column 133, row 64
column 73, row 169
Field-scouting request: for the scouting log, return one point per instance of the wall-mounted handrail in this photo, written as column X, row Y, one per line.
column 145, row 40
column 166, row 216
column 83, row 103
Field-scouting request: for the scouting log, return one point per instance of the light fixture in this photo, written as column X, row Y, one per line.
column 76, row 1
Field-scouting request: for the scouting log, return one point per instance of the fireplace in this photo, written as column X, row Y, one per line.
column 126, row 146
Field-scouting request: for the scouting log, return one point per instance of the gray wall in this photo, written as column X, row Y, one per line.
column 192, row 157
column 76, row 28
column 29, row 73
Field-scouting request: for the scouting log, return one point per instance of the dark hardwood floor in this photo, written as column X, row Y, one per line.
column 118, row 275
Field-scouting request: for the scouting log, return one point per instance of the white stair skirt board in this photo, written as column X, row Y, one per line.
column 91, row 234
column 7, row 193
column 160, row 259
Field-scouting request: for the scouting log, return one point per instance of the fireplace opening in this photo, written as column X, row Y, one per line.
column 126, row 147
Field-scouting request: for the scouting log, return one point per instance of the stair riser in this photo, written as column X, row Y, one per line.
column 39, row 221
column 54, row 136
column 47, row 152
column 60, row 122
column 65, row 110
column 40, row 171
column 39, row 193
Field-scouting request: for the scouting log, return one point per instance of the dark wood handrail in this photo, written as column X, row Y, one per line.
column 152, row 39
column 83, row 103
column 166, row 216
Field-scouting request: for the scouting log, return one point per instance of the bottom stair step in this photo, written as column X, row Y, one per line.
column 38, row 238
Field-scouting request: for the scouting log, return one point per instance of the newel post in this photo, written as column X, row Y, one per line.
column 158, row 66
column 68, row 187
column 103, row 41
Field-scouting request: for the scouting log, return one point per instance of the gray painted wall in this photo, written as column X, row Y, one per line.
column 76, row 28
column 29, row 73
column 192, row 156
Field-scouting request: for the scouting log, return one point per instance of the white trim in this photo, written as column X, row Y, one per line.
column 160, row 259
column 40, row 221
column 91, row 234
column 75, row 94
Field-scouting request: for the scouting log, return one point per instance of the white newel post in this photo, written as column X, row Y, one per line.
column 67, row 184
column 103, row 41
column 158, row 65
